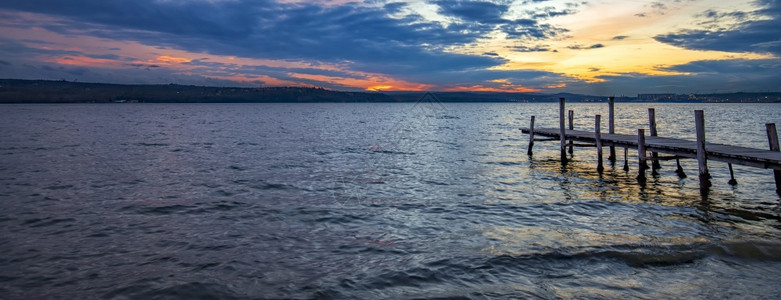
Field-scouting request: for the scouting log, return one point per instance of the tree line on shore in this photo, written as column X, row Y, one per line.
column 49, row 91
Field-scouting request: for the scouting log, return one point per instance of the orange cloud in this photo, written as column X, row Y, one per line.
column 482, row 88
column 171, row 59
column 86, row 61
column 378, row 88
column 556, row 86
column 255, row 79
column 371, row 83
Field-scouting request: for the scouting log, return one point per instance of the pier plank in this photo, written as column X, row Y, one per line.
column 686, row 148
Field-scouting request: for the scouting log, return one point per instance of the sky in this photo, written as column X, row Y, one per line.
column 597, row 47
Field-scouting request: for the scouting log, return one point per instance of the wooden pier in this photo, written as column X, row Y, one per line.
column 678, row 148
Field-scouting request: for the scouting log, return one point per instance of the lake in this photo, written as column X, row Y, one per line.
column 385, row 200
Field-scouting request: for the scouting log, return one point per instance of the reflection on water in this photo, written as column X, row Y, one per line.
column 371, row 201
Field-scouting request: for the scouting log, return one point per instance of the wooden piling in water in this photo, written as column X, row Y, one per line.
column 641, row 159
column 772, row 139
column 598, row 139
column 562, row 136
column 732, row 180
column 654, row 155
column 679, row 169
column 531, row 137
column 626, row 159
column 611, row 126
column 702, row 157
column 571, row 119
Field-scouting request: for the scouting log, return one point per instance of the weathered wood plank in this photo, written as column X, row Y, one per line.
column 684, row 148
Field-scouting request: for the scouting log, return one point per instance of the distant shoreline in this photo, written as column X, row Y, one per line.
column 49, row 91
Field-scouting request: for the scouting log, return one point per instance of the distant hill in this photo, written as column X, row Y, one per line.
column 48, row 91
column 44, row 91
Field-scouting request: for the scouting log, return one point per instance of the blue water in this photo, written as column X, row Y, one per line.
column 239, row 201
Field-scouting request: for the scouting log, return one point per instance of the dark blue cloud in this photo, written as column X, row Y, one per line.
column 366, row 37
column 474, row 11
column 13, row 48
column 394, row 7
column 483, row 17
column 549, row 12
column 719, row 67
column 104, row 56
column 131, row 75
column 530, row 29
column 763, row 35
column 702, row 77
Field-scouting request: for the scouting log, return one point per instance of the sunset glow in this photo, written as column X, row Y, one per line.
column 510, row 46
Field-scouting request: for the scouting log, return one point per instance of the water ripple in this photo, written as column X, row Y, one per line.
column 367, row 201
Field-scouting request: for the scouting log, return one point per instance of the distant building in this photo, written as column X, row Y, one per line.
column 655, row 97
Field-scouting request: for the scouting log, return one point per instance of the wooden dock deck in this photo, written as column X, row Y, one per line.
column 685, row 148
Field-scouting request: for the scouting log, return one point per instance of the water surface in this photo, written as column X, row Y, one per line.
column 371, row 201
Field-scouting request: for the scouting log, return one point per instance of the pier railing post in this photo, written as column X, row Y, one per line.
column 641, row 159
column 772, row 139
column 598, row 139
column 702, row 157
column 562, row 132
column 611, row 128
column 652, row 124
column 571, row 119
column 531, row 137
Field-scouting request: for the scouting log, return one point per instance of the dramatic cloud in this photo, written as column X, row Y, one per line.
column 762, row 34
column 474, row 11
column 697, row 77
column 510, row 45
column 484, row 17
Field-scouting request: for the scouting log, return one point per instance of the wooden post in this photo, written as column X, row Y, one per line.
column 598, row 139
column 654, row 156
column 562, row 132
column 626, row 159
column 732, row 180
column 571, row 118
column 679, row 170
column 702, row 157
column 642, row 165
column 531, row 137
column 611, row 128
column 772, row 139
